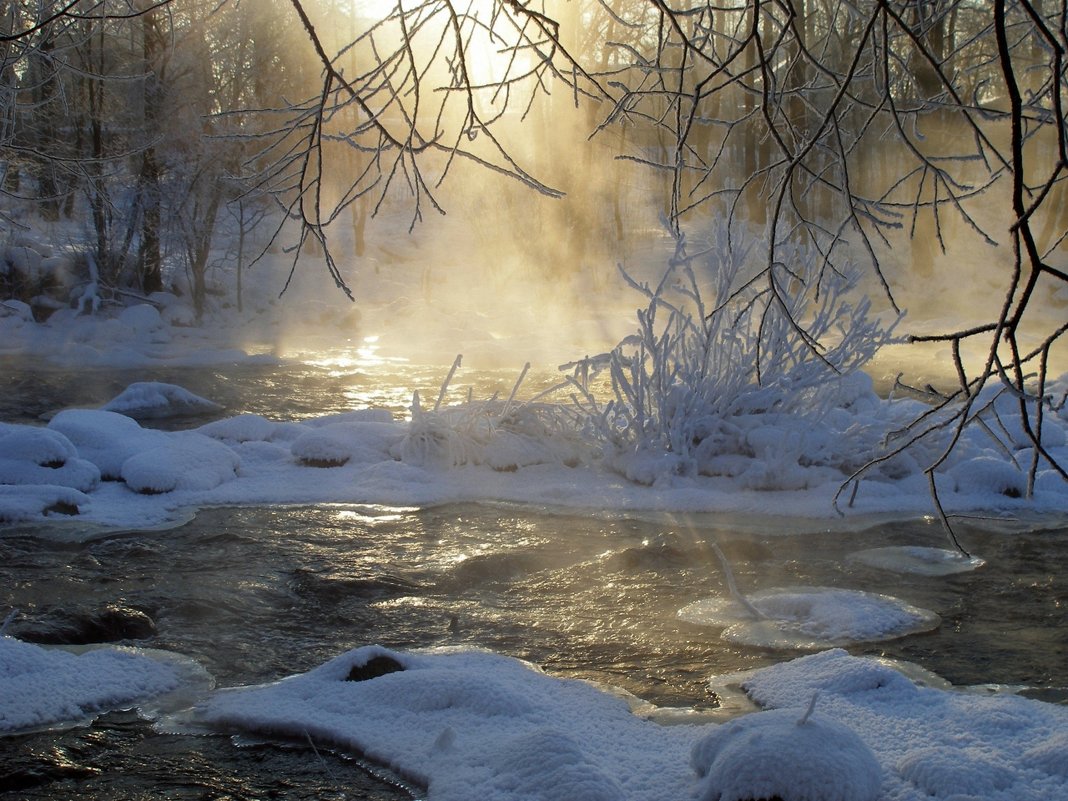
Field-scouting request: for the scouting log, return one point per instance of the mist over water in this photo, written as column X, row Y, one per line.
column 508, row 275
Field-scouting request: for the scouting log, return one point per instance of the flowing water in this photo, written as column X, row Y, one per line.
column 254, row 594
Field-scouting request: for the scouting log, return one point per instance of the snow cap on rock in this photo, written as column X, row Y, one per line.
column 779, row 754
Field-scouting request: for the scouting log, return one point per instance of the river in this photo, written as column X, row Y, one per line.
column 254, row 594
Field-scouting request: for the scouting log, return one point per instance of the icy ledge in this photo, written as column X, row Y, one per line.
column 466, row 724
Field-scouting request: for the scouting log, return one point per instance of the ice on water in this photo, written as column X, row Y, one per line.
column 810, row 617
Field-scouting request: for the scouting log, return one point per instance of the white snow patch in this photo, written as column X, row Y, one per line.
column 472, row 725
column 251, row 428
column 466, row 724
column 338, row 443
column 185, row 461
column 781, row 754
column 107, row 439
column 42, row 687
column 146, row 400
column 25, row 503
column 934, row 745
column 32, row 455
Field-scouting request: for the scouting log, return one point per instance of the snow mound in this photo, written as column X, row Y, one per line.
column 42, row 687
column 987, row 475
column 933, row 745
column 37, row 445
column 153, row 400
column 471, row 725
column 339, row 443
column 106, row 439
column 17, row 309
column 148, row 461
column 185, row 461
column 811, row 617
column 141, row 319
column 943, row 772
column 779, row 755
column 30, row 455
column 23, row 503
column 251, row 428
column 918, row 560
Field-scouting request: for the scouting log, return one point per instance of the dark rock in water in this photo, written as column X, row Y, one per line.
column 373, row 668
column 110, row 624
column 38, row 770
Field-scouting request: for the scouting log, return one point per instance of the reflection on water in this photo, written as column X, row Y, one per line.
column 257, row 594
column 337, row 381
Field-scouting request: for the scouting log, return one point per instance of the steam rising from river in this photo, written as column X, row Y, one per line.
column 508, row 275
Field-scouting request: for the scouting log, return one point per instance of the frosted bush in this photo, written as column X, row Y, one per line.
column 712, row 371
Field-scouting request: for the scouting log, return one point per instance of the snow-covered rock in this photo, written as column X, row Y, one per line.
column 146, row 400
column 34, row 455
column 25, row 503
column 781, row 754
column 184, row 460
column 339, row 443
column 107, row 439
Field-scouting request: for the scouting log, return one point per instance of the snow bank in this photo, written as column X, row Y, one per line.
column 147, row 460
column 467, row 724
column 42, row 687
column 470, row 725
column 933, row 744
column 537, row 453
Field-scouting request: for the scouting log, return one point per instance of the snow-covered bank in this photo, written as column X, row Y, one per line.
column 475, row 725
column 106, row 468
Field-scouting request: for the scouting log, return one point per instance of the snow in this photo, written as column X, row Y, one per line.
column 486, row 451
column 469, row 724
column 932, row 743
column 779, row 753
column 40, row 457
column 42, row 687
column 186, row 461
column 145, row 400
